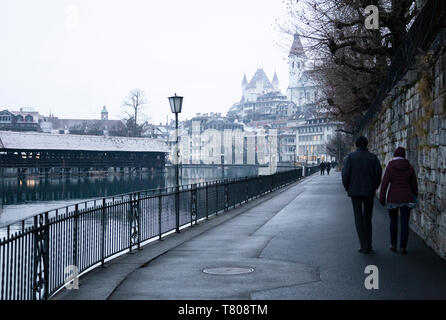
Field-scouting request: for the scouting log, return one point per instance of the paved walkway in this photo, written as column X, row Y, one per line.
column 301, row 243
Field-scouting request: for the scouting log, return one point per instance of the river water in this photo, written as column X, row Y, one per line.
column 22, row 198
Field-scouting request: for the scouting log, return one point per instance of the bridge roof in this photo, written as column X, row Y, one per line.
column 47, row 141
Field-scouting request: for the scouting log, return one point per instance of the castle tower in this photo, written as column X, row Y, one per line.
column 104, row 114
column 276, row 82
column 244, row 85
column 259, row 85
column 296, row 62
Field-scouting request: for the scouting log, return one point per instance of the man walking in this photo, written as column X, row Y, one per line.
column 361, row 177
column 322, row 166
column 328, row 167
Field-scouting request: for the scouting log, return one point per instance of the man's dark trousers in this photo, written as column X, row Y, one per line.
column 363, row 209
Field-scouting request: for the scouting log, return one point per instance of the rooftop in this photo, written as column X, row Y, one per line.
column 260, row 75
column 45, row 141
column 296, row 48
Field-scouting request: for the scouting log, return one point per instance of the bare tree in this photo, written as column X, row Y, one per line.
column 338, row 146
column 349, row 60
column 135, row 101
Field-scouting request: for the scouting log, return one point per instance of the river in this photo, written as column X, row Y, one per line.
column 25, row 197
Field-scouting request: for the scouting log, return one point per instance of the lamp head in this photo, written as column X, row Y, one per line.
column 176, row 103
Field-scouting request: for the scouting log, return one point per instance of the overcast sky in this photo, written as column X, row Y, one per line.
column 72, row 57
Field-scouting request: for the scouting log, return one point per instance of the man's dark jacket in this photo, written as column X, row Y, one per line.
column 361, row 174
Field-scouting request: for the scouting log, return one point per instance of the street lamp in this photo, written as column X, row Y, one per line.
column 176, row 103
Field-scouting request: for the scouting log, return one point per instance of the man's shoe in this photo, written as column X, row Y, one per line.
column 403, row 251
column 392, row 248
column 365, row 251
column 370, row 249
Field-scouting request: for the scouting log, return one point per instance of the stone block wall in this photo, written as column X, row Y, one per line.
column 414, row 116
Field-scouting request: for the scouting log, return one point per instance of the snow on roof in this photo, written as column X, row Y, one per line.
column 45, row 141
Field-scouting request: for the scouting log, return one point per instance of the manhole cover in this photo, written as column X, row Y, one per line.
column 228, row 270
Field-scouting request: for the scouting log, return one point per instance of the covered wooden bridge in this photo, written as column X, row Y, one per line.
column 45, row 151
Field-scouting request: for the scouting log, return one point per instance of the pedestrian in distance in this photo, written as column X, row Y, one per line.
column 328, row 167
column 401, row 181
column 322, row 166
column 361, row 177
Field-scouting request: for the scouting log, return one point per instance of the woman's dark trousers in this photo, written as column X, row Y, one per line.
column 404, row 219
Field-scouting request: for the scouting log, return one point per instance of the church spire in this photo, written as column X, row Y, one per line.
column 296, row 48
column 244, row 85
column 275, row 81
column 245, row 81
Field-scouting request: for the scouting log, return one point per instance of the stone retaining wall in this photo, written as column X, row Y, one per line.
column 414, row 116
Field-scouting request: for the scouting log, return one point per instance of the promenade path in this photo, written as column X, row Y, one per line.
column 300, row 241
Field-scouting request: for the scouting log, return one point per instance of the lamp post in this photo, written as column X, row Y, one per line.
column 176, row 103
column 222, row 155
column 222, row 166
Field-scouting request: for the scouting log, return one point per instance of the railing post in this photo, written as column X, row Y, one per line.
column 177, row 209
column 196, row 205
column 134, row 221
column 160, row 209
column 138, row 220
column 46, row 257
column 35, row 259
column 207, row 201
column 226, row 199
column 75, row 230
column 103, row 232
column 216, row 198
column 246, row 190
column 193, row 204
column 41, row 257
column 260, row 189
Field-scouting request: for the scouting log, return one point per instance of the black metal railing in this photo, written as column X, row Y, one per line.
column 38, row 254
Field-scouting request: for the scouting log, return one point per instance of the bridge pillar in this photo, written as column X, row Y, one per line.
column 21, row 172
column 67, row 171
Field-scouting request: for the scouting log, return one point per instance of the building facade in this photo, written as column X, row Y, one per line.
column 26, row 119
column 211, row 139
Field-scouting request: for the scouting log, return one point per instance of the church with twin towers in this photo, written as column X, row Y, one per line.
column 262, row 99
column 301, row 124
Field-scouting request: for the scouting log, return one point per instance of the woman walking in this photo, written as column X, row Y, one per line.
column 402, row 196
